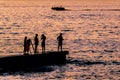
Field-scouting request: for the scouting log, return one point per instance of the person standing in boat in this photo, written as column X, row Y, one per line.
column 36, row 42
column 25, row 45
column 43, row 38
column 60, row 41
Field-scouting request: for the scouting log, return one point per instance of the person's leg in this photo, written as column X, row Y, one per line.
column 61, row 47
column 35, row 48
column 24, row 50
column 58, row 47
column 44, row 49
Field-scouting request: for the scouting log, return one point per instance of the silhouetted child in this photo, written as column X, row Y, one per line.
column 25, row 45
column 28, row 45
column 60, row 41
column 36, row 42
column 43, row 38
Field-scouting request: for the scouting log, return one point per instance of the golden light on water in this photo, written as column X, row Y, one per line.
column 90, row 29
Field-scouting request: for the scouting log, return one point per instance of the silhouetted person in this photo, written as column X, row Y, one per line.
column 28, row 45
column 36, row 43
column 60, row 41
column 25, row 45
column 43, row 38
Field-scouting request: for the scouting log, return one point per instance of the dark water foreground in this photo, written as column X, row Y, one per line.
column 52, row 67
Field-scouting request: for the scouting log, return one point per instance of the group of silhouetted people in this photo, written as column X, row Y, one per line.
column 28, row 42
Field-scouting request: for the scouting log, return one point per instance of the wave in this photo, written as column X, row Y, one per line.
column 97, row 10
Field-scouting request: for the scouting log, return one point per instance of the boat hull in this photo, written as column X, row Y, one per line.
column 30, row 61
column 58, row 8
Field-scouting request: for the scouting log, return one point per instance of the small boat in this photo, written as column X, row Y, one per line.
column 58, row 8
column 20, row 62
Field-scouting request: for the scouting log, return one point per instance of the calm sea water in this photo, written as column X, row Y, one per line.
column 91, row 31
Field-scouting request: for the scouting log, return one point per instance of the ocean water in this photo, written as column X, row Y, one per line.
column 91, row 31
